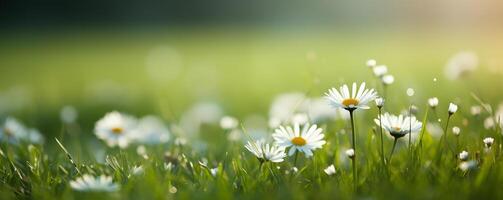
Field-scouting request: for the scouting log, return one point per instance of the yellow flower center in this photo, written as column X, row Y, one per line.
column 350, row 101
column 299, row 141
column 117, row 130
column 397, row 129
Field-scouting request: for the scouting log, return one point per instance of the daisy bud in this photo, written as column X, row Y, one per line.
column 475, row 110
column 388, row 79
column 371, row 63
column 456, row 130
column 380, row 70
column 452, row 108
column 433, row 102
column 463, row 156
column 330, row 170
column 488, row 141
column 350, row 153
column 379, row 102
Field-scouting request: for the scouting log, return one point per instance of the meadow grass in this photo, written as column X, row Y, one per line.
column 242, row 73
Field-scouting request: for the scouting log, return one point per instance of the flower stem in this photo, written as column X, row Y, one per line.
column 392, row 150
column 353, row 146
column 382, row 141
column 295, row 158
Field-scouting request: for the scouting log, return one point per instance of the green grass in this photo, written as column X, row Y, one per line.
column 242, row 71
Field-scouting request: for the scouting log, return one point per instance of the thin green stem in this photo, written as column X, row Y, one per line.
column 295, row 158
column 382, row 141
column 392, row 150
column 353, row 145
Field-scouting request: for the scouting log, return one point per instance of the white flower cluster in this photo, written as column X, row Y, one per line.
column 118, row 129
column 14, row 132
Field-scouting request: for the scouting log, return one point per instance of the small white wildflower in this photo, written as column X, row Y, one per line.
column 90, row 183
column 141, row 150
column 410, row 92
column 330, row 170
column 380, row 70
column 350, row 153
column 214, row 171
column 433, row 102
column 468, row 165
column 68, row 114
column 371, row 63
column 452, row 108
column 116, row 129
column 168, row 166
column 463, row 156
column 488, row 123
column 180, row 141
column 137, row 170
column 488, row 142
column 388, row 79
column 456, row 130
column 228, row 123
column 379, row 102
column 266, row 152
column 475, row 110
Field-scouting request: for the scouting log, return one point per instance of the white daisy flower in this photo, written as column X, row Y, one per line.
column 97, row 184
column 488, row 142
column 461, row 64
column 306, row 140
column 350, row 101
column 380, row 70
column 13, row 131
column 228, row 123
column 266, row 152
column 433, row 102
column 116, row 129
column 463, row 156
column 388, row 79
column 150, row 130
column 452, row 108
column 330, row 170
column 399, row 126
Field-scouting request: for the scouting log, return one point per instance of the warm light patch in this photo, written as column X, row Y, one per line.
column 350, row 101
column 397, row 129
column 117, row 130
column 299, row 141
